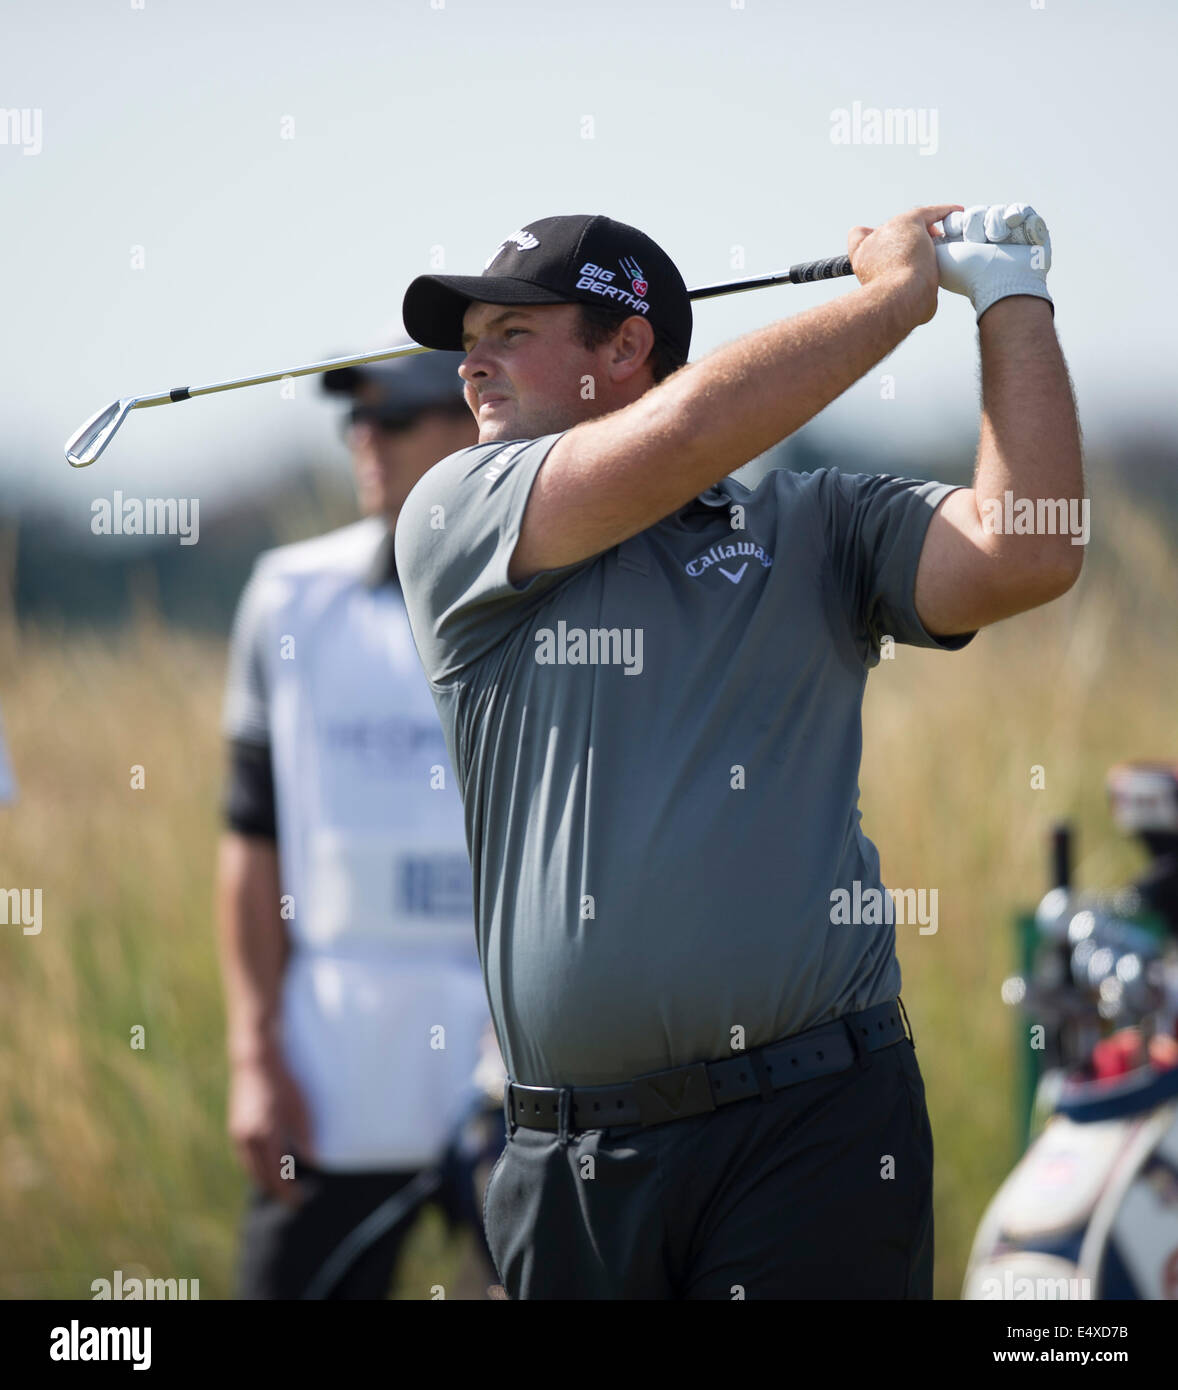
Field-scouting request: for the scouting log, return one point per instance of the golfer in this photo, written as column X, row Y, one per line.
column 354, row 999
column 650, row 680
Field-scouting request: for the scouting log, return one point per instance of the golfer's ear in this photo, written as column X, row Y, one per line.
column 632, row 345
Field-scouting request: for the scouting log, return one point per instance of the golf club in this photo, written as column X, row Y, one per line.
column 394, row 1209
column 88, row 442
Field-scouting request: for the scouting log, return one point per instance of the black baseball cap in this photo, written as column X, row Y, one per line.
column 407, row 385
column 584, row 258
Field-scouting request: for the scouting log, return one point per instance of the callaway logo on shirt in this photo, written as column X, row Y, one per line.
column 722, row 554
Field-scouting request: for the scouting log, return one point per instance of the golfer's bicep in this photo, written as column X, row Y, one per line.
column 601, row 483
column 565, row 517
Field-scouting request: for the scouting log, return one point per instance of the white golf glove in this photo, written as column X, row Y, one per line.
column 990, row 253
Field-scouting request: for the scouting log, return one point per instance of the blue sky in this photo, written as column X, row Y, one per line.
column 426, row 124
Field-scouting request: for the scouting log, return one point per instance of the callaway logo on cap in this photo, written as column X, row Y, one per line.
column 524, row 240
column 559, row 260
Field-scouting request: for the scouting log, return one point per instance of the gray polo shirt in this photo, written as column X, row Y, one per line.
column 658, row 755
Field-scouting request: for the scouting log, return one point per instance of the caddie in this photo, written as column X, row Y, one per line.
column 354, row 1002
column 650, row 680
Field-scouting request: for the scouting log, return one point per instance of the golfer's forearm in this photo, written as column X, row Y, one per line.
column 611, row 477
column 744, row 397
column 1029, row 443
column 253, row 945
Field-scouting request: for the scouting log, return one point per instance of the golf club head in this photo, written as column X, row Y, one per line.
column 84, row 446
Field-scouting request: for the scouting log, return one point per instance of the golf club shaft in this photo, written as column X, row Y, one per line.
column 90, row 439
column 806, row 271
column 184, row 393
column 795, row 275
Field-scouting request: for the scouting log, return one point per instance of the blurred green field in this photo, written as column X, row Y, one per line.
column 112, row 1158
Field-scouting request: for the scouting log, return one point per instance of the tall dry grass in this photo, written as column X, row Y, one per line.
column 950, row 740
column 112, row 1158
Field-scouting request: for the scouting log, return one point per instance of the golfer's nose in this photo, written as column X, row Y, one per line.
column 475, row 365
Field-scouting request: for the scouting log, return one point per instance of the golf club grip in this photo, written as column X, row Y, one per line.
column 820, row 270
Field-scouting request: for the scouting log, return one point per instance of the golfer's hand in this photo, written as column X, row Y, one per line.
column 901, row 251
column 991, row 253
column 268, row 1118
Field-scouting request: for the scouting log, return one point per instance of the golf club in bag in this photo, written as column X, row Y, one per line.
column 1091, row 1209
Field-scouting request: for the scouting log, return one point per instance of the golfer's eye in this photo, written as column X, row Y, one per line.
column 507, row 332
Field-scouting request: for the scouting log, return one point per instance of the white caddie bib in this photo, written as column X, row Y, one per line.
column 384, row 1003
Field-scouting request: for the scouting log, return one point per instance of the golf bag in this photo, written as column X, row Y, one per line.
column 1091, row 1209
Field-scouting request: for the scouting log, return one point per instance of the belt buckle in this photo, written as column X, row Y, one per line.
column 674, row 1094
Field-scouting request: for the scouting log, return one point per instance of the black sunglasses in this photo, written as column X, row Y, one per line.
column 398, row 424
column 386, row 424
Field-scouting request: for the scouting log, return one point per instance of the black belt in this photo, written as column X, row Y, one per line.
column 698, row 1087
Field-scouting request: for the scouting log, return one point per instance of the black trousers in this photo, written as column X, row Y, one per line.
column 283, row 1248
column 822, row 1192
